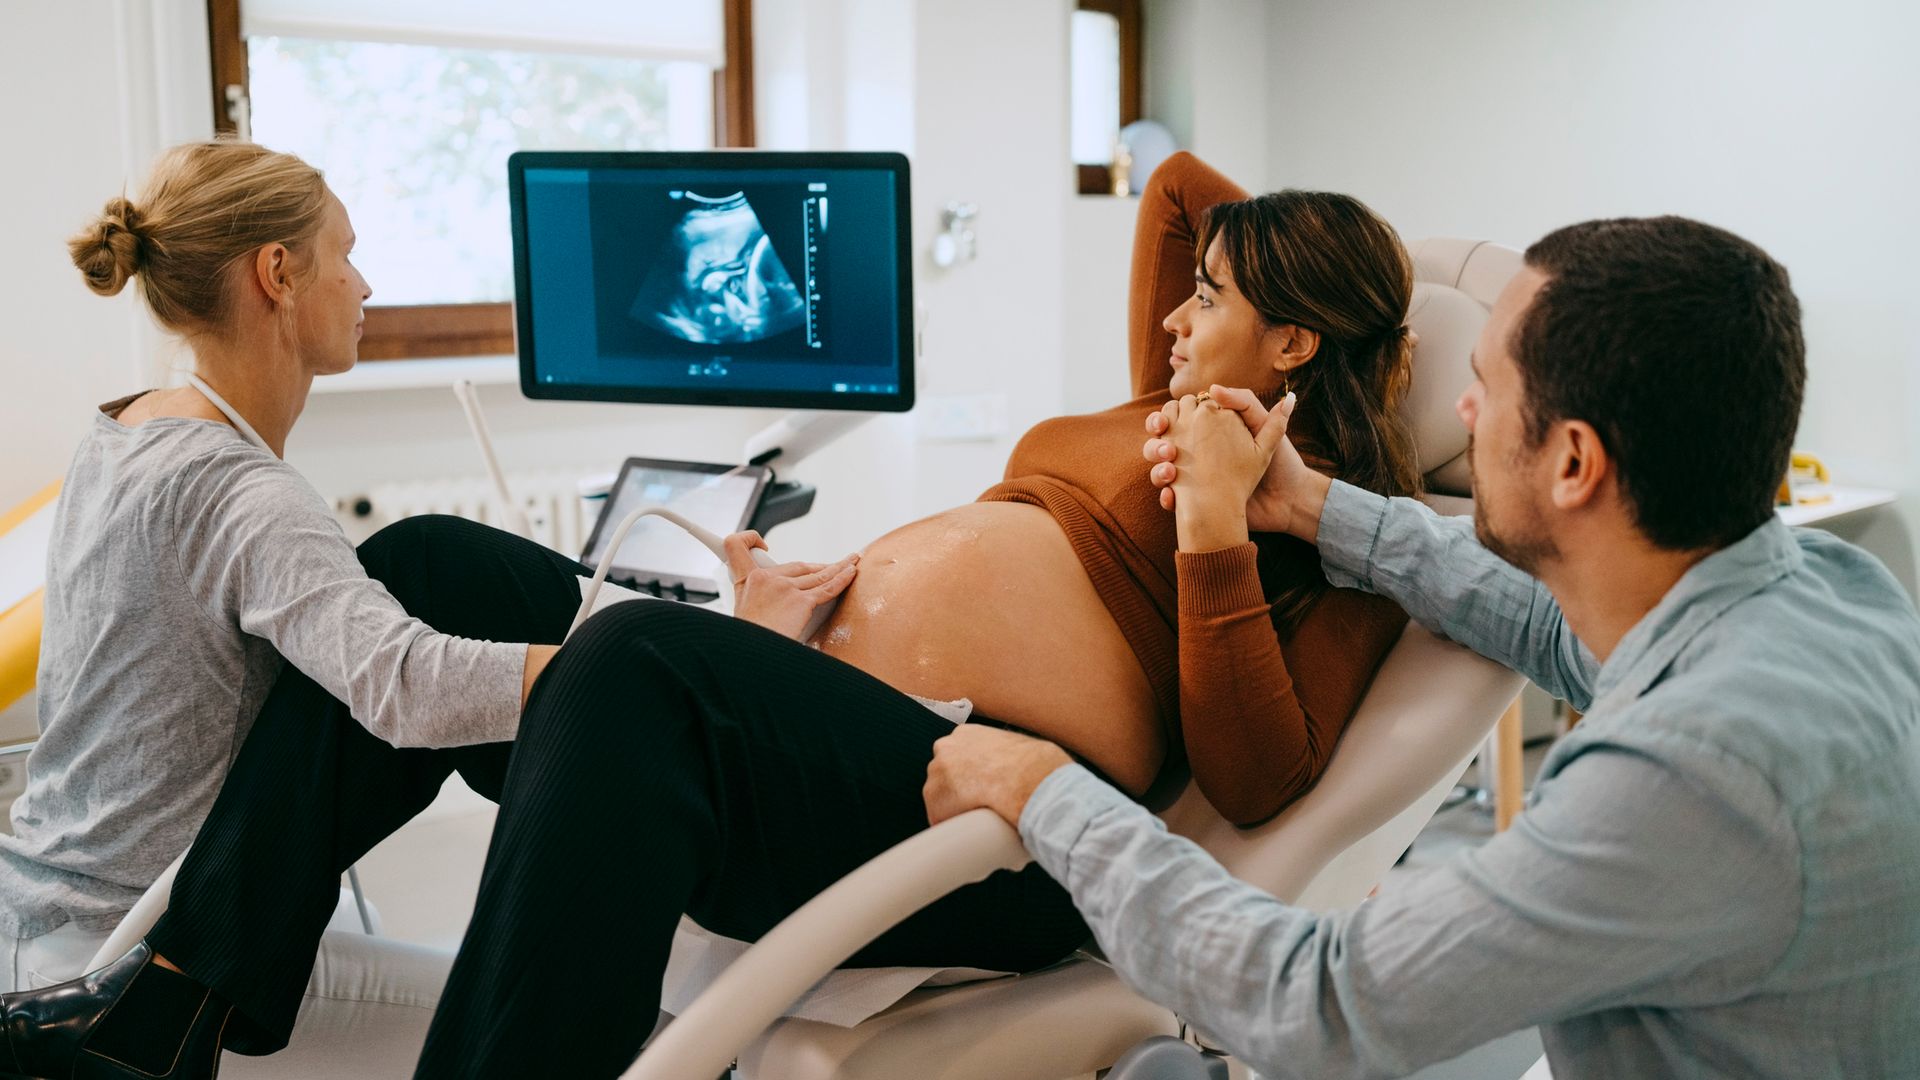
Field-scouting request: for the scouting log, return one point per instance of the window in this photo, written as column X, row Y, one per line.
column 1105, row 64
column 411, row 107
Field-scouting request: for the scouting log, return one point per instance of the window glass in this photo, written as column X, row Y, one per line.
column 1096, row 86
column 414, row 139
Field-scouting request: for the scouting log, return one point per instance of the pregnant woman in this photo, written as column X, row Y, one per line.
column 673, row 760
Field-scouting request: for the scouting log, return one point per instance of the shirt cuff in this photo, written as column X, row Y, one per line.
column 1219, row 582
column 1059, row 812
column 1350, row 523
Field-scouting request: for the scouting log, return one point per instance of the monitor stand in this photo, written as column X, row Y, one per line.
column 787, row 440
column 781, row 502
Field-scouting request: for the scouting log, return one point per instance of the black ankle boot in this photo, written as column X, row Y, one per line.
column 163, row 1024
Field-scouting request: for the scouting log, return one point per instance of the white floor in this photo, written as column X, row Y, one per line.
column 424, row 877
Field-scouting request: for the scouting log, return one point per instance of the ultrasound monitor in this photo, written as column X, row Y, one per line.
column 750, row 278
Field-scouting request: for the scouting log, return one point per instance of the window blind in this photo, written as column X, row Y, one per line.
column 642, row 29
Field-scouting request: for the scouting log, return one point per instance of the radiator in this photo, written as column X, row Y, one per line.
column 550, row 500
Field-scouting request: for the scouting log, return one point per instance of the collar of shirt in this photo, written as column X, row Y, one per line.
column 1702, row 594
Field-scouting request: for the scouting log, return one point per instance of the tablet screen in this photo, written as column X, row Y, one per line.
column 712, row 496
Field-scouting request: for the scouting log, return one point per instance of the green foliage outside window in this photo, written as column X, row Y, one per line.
column 414, row 140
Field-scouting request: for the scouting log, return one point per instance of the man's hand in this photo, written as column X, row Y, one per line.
column 1289, row 495
column 982, row 766
column 782, row 597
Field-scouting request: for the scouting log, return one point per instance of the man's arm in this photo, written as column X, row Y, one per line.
column 1436, row 569
column 1618, row 886
column 1431, row 566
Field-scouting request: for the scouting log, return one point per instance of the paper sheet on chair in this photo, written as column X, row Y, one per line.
column 844, row 998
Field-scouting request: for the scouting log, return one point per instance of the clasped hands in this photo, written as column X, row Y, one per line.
column 1223, row 465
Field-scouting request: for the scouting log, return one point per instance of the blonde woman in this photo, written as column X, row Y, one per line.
column 194, row 573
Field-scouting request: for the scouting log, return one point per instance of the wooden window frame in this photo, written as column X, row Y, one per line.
column 1098, row 179
column 421, row 331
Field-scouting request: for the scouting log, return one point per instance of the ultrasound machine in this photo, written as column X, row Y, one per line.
column 739, row 278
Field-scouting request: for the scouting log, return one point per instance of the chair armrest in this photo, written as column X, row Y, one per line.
column 1428, row 710
column 758, row 987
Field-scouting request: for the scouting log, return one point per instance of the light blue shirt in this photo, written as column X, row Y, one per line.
column 1717, row 873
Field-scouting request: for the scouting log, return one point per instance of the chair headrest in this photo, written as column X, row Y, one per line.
column 1455, row 284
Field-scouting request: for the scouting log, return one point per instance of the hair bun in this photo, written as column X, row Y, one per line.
column 112, row 250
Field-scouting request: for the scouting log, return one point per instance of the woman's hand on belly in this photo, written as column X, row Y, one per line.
column 784, row 596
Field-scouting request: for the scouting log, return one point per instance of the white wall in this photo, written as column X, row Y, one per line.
column 1792, row 125
column 990, row 122
column 1205, row 78
column 1093, row 299
column 75, row 143
column 1209, row 88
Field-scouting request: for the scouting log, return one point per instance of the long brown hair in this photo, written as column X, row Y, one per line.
column 1326, row 263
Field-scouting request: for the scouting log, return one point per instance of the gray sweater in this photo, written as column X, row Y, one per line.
column 186, row 563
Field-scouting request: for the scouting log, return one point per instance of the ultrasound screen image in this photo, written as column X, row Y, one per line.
column 717, row 279
column 710, row 273
column 713, row 278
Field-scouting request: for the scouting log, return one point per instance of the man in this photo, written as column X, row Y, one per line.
column 1719, row 870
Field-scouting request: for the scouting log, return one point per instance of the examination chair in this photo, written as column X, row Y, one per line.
column 1426, row 713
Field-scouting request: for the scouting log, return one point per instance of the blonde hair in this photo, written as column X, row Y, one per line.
column 206, row 206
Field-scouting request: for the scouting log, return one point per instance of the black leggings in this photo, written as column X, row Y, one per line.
column 671, row 760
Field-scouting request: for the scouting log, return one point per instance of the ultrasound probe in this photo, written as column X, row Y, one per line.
column 707, row 539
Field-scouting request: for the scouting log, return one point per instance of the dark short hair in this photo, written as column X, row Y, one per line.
column 1681, row 344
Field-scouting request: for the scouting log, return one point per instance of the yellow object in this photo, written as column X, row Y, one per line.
column 19, row 648
column 1806, row 466
column 20, row 624
column 1802, row 469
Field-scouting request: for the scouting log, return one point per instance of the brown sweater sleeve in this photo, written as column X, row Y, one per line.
column 1255, row 738
column 1172, row 207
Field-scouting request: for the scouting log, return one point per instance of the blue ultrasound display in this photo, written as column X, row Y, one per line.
column 649, row 280
column 718, row 278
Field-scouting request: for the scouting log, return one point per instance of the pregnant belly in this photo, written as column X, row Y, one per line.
column 988, row 601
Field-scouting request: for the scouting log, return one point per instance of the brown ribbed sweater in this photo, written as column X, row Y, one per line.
column 1262, row 705
column 1257, row 709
